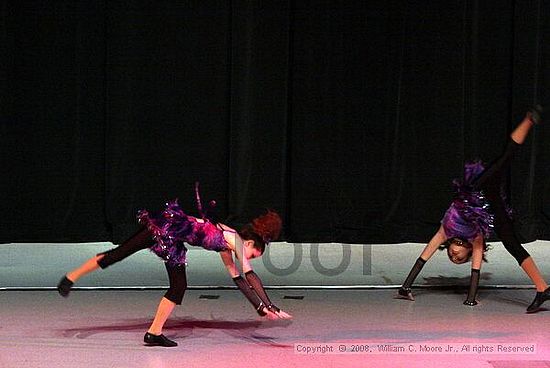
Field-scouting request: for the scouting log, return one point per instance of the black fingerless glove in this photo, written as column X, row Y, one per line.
column 472, row 291
column 415, row 270
column 404, row 291
column 250, row 294
column 258, row 287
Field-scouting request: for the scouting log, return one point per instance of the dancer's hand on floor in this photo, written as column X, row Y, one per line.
column 283, row 315
column 270, row 315
column 405, row 293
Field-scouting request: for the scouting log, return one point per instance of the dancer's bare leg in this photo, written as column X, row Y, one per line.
column 521, row 132
column 66, row 283
column 164, row 310
column 87, row 267
column 534, row 274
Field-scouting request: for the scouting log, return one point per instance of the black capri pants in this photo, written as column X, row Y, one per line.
column 143, row 239
column 491, row 183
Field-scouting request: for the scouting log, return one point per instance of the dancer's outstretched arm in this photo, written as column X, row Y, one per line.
column 405, row 291
column 251, row 282
column 244, row 286
column 243, row 262
column 433, row 245
column 478, row 247
column 257, row 285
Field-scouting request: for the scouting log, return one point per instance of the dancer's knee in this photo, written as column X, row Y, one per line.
column 517, row 251
column 521, row 256
column 178, row 283
column 175, row 293
column 107, row 258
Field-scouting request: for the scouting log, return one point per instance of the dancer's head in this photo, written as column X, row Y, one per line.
column 467, row 217
column 262, row 230
column 458, row 250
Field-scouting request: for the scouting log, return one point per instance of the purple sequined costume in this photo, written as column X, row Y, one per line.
column 172, row 228
column 476, row 198
column 468, row 214
column 480, row 205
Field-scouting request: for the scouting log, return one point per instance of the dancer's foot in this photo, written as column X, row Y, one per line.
column 158, row 340
column 64, row 287
column 535, row 114
column 405, row 293
column 540, row 298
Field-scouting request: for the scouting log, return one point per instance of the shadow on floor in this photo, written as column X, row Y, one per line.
column 189, row 328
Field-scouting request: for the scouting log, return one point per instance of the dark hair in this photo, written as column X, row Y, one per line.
column 262, row 230
column 448, row 242
column 247, row 233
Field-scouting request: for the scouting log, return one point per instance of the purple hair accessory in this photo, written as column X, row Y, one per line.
column 211, row 204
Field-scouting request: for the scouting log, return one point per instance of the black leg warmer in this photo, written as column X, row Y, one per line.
column 178, row 283
column 141, row 240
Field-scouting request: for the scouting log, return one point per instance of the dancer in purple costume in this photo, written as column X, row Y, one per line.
column 478, row 208
column 166, row 233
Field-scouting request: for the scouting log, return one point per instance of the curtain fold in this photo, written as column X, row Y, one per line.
column 258, row 120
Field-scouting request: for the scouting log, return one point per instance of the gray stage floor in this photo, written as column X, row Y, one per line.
column 105, row 328
column 217, row 328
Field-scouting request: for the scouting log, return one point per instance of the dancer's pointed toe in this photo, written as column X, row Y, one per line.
column 540, row 298
column 64, row 287
column 535, row 114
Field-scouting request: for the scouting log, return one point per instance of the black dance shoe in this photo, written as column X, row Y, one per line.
column 540, row 298
column 158, row 340
column 536, row 114
column 64, row 287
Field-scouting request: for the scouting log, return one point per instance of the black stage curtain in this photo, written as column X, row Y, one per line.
column 350, row 118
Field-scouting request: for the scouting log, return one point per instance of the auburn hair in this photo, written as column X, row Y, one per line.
column 263, row 229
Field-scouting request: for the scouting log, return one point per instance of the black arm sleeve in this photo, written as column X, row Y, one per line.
column 250, row 294
column 258, row 287
column 472, row 291
column 405, row 290
column 415, row 270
